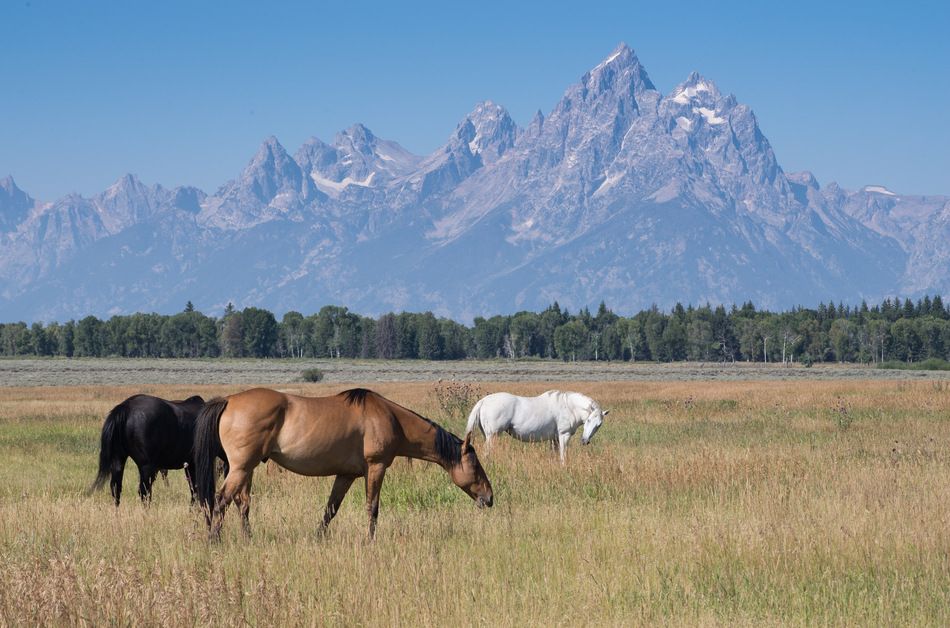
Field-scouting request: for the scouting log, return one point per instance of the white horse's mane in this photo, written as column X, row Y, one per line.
column 563, row 395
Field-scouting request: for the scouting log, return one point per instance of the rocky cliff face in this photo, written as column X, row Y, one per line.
column 621, row 193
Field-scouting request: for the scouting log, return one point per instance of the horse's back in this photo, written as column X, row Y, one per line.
column 254, row 410
column 525, row 418
column 307, row 435
column 333, row 435
column 155, row 433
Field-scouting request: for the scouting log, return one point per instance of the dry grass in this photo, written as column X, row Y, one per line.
column 697, row 503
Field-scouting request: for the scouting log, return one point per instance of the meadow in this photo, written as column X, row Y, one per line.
column 810, row 500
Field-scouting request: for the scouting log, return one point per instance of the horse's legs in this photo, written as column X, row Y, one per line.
column 243, row 501
column 147, row 475
column 562, row 444
column 191, row 484
column 374, row 481
column 488, row 439
column 238, row 480
column 341, row 485
column 115, row 483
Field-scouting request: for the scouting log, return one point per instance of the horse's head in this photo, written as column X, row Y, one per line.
column 469, row 476
column 594, row 420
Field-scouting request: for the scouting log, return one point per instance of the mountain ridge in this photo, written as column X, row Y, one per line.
column 620, row 193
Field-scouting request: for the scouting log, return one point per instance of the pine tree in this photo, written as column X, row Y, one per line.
column 936, row 306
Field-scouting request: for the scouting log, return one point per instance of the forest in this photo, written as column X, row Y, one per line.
column 894, row 330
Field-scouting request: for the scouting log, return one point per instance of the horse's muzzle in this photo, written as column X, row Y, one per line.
column 484, row 502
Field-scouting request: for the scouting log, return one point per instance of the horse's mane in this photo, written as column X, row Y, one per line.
column 564, row 393
column 447, row 444
column 356, row 396
column 192, row 399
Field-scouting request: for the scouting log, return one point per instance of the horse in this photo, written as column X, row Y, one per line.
column 551, row 416
column 356, row 433
column 156, row 433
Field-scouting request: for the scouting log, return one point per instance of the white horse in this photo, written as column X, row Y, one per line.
column 551, row 416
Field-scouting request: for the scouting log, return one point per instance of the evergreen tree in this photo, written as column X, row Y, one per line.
column 387, row 337
column 260, row 332
column 937, row 308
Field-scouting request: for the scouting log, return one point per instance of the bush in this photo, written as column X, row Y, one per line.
column 455, row 399
column 312, row 375
column 842, row 413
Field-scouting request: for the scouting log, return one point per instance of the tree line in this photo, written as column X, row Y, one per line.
column 893, row 330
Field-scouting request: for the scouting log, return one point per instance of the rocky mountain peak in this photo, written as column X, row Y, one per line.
column 803, row 178
column 695, row 90
column 272, row 184
column 272, row 156
column 15, row 204
column 492, row 132
column 619, row 70
column 127, row 185
column 357, row 136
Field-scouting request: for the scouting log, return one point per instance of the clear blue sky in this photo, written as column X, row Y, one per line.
column 184, row 92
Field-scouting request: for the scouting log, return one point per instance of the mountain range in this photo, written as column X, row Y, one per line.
column 620, row 193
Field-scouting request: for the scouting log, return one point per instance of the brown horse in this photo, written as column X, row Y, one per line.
column 356, row 433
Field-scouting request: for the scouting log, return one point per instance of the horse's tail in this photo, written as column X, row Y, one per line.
column 111, row 447
column 206, row 448
column 474, row 419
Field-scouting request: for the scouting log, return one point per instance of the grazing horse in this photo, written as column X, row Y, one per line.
column 356, row 433
column 156, row 433
column 551, row 416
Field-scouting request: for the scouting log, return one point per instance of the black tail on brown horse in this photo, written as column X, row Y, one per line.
column 206, row 448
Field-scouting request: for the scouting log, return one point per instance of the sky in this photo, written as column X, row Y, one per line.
column 183, row 93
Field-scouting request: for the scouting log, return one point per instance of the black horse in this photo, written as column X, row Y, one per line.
column 156, row 433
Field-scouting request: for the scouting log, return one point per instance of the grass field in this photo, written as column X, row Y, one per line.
column 699, row 502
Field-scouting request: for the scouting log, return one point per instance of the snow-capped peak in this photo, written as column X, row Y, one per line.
column 693, row 88
column 623, row 52
column 878, row 189
column 622, row 62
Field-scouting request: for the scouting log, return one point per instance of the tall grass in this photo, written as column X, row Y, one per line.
column 697, row 503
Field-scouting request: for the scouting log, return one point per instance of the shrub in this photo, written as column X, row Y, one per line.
column 842, row 414
column 312, row 375
column 455, row 399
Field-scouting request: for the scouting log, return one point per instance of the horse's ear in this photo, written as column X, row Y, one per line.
column 466, row 445
column 606, row 412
